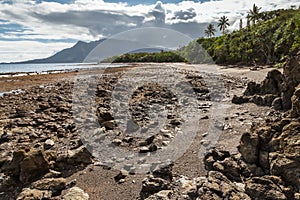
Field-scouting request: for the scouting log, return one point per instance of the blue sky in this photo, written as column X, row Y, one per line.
column 39, row 28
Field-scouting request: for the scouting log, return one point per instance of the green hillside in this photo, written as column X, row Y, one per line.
column 158, row 57
column 274, row 36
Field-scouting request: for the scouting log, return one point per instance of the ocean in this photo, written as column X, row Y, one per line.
column 38, row 68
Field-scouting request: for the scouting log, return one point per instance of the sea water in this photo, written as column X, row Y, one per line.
column 38, row 68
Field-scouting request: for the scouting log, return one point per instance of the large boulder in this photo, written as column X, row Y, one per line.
column 270, row 85
column 27, row 166
column 266, row 188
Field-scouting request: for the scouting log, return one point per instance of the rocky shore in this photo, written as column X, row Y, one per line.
column 44, row 154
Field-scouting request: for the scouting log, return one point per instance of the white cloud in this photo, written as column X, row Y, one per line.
column 93, row 19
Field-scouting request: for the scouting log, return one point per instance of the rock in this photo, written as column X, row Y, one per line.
column 188, row 187
column 240, row 99
column 34, row 194
column 214, row 155
column 29, row 166
column 225, row 164
column 263, row 188
column 48, row 144
column 109, row 125
column 105, row 116
column 252, row 89
column 163, row 171
column 277, row 103
column 55, row 185
column 117, row 142
column 75, row 193
column 144, row 149
column 12, row 167
column 272, row 83
column 229, row 167
column 249, row 147
column 288, row 169
column 79, row 156
column 153, row 185
column 123, row 174
column 161, row 195
column 216, row 186
column 4, row 138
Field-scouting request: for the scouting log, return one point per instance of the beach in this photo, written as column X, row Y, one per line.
column 42, row 124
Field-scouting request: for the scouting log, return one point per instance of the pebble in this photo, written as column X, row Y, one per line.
column 48, row 144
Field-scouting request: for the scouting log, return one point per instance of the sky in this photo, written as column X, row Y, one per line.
column 32, row 29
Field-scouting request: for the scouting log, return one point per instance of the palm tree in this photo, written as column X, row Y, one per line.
column 254, row 14
column 210, row 30
column 223, row 24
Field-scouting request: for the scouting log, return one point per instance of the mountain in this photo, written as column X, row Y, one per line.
column 269, row 41
column 81, row 50
column 75, row 54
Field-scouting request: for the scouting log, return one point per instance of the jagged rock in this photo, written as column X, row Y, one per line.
column 153, row 185
column 55, row 185
column 248, row 147
column 34, row 194
column 240, row 99
column 27, row 166
column 163, row 171
column 263, row 100
column 229, row 167
column 277, row 103
column 217, row 160
column 264, row 188
column 272, row 83
column 79, row 156
column 105, row 116
column 263, row 94
column 217, row 186
column 286, row 168
column 252, row 89
column 75, row 193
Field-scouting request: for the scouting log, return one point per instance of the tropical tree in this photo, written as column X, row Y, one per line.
column 210, row 30
column 254, row 14
column 223, row 24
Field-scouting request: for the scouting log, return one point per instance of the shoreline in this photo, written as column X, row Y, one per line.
column 21, row 81
column 16, row 81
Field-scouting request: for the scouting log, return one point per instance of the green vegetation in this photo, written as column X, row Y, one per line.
column 268, row 40
column 147, row 57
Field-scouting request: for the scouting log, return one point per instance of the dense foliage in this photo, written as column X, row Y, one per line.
column 148, row 57
column 268, row 41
